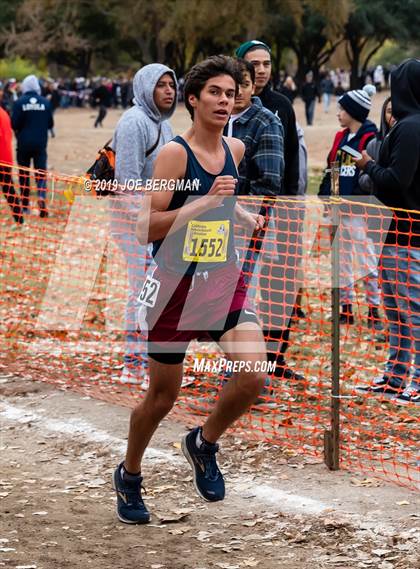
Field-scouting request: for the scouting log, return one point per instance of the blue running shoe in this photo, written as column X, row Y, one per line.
column 208, row 480
column 130, row 506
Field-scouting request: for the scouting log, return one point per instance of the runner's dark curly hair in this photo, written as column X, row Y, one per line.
column 213, row 66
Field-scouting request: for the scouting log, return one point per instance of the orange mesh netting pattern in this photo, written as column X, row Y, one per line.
column 63, row 315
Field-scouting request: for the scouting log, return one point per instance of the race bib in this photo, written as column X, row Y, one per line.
column 206, row 241
column 149, row 292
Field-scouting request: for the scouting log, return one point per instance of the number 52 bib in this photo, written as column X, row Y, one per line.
column 206, row 241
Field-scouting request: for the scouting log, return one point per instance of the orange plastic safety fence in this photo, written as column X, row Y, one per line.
column 66, row 303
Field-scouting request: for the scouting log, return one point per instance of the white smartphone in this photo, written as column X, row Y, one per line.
column 351, row 151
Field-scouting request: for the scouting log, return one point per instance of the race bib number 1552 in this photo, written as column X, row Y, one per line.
column 206, row 241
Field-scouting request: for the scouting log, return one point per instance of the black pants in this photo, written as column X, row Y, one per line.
column 11, row 196
column 310, row 111
column 101, row 115
column 24, row 157
column 278, row 280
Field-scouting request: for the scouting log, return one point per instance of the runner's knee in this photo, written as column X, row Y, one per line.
column 161, row 402
column 252, row 382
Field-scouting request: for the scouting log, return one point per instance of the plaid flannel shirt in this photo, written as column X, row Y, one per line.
column 262, row 168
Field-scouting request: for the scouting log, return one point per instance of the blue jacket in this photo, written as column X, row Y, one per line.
column 31, row 119
column 349, row 173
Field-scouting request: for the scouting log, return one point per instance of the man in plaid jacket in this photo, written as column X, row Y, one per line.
column 261, row 173
column 262, row 169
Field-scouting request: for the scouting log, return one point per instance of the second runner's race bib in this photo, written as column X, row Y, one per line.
column 206, row 241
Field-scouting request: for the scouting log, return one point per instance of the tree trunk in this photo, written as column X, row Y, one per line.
column 85, row 63
column 354, row 65
column 371, row 54
column 301, row 70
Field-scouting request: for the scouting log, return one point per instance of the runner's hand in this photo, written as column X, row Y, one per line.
column 251, row 222
column 223, row 186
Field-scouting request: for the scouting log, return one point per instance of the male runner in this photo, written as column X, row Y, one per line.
column 196, row 289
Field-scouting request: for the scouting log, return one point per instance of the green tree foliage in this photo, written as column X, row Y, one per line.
column 180, row 32
column 372, row 23
column 84, row 36
column 18, row 68
column 313, row 32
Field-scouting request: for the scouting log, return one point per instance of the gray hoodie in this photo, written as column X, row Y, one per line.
column 303, row 161
column 30, row 83
column 136, row 132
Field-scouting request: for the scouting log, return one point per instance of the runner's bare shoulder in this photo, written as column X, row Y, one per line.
column 237, row 147
column 171, row 162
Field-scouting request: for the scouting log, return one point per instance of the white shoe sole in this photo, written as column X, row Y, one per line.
column 187, row 455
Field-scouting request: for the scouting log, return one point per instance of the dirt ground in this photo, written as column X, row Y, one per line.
column 59, row 451
column 73, row 150
column 60, row 448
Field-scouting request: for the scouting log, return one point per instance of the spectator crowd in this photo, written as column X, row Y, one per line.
column 275, row 163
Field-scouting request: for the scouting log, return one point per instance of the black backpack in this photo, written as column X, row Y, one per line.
column 103, row 169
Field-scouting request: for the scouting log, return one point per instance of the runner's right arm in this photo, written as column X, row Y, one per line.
column 154, row 221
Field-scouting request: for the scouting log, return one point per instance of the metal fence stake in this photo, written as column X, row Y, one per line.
column 332, row 436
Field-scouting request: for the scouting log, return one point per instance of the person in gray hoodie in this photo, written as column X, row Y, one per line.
column 140, row 133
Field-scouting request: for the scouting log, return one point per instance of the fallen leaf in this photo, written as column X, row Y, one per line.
column 173, row 518
column 403, row 503
column 177, row 531
column 203, row 535
column 365, row 482
column 251, row 562
column 96, row 483
column 6, row 549
column 381, row 552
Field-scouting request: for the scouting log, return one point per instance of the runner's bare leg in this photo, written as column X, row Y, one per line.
column 165, row 383
column 241, row 391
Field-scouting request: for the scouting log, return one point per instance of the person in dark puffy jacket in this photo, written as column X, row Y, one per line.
column 31, row 119
column 396, row 179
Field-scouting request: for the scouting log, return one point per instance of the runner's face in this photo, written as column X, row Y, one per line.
column 164, row 93
column 245, row 92
column 260, row 59
column 216, row 100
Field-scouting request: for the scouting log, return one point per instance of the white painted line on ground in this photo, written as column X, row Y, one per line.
column 83, row 429
column 289, row 502
column 243, row 486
